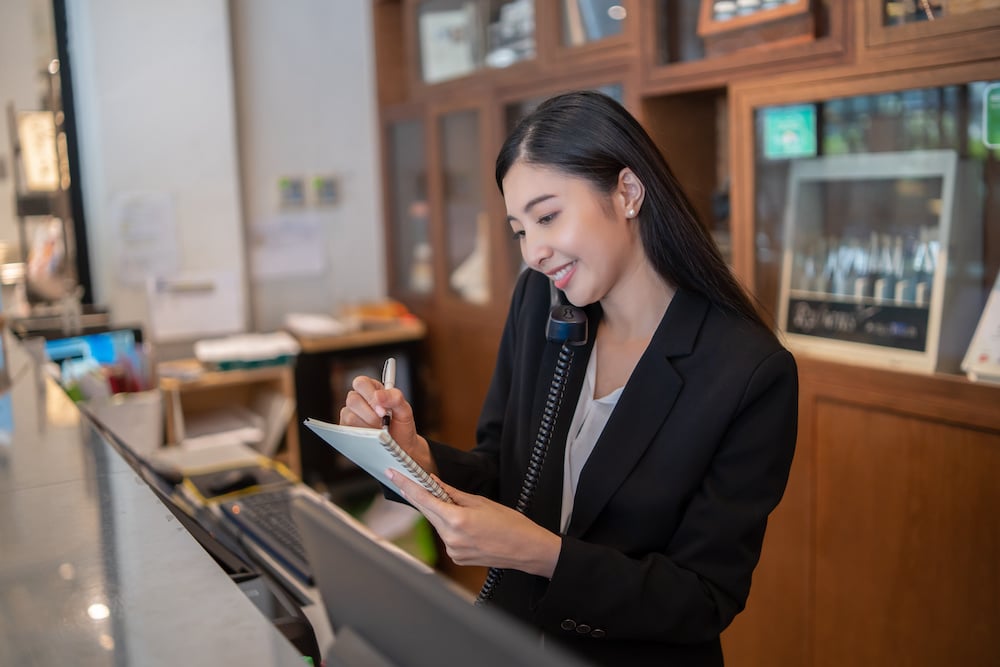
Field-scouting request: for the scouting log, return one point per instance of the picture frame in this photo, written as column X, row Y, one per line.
column 754, row 25
column 450, row 42
column 39, row 155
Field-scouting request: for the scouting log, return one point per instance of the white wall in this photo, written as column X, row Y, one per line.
column 306, row 105
column 154, row 97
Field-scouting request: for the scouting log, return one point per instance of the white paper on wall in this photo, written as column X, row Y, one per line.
column 289, row 244
column 146, row 230
column 195, row 304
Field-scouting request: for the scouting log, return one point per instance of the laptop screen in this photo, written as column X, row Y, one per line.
column 382, row 601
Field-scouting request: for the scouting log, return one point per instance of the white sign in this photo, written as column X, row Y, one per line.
column 147, row 236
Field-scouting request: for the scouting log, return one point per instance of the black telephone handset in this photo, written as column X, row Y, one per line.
column 567, row 324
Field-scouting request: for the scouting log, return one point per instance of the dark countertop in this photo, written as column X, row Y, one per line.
column 94, row 569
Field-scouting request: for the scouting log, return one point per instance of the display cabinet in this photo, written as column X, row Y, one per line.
column 795, row 130
column 845, row 184
column 882, row 257
column 881, row 206
column 442, row 248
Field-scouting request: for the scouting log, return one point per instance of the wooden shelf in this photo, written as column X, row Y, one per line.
column 188, row 387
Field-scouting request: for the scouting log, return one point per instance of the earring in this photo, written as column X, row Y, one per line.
column 631, row 213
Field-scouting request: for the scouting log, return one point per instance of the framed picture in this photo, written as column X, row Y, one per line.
column 36, row 136
column 726, row 26
column 449, row 42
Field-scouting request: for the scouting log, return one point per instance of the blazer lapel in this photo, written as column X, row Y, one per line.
column 645, row 402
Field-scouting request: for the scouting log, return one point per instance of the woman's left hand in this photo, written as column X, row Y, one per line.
column 478, row 531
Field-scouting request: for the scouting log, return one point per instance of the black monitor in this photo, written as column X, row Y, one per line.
column 389, row 609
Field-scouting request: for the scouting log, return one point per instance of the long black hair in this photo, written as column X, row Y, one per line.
column 589, row 135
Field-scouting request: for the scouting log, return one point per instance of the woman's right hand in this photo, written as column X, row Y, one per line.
column 368, row 402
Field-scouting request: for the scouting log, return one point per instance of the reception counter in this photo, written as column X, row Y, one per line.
column 94, row 568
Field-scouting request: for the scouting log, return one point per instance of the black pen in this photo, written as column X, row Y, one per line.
column 388, row 382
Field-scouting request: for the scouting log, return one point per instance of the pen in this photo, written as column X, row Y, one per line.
column 388, row 382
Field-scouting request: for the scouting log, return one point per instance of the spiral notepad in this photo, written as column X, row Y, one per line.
column 374, row 450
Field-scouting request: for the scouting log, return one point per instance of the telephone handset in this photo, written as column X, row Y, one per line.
column 567, row 324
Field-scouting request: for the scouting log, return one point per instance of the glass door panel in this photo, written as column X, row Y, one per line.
column 412, row 254
column 465, row 217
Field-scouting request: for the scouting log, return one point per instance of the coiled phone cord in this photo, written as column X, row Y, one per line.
column 552, row 404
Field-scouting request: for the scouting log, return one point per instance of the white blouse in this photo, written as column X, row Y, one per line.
column 588, row 422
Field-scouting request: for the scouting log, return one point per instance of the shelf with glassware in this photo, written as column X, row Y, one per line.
column 872, row 237
column 879, row 258
column 851, row 189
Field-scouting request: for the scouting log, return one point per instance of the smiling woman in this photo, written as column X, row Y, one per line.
column 630, row 530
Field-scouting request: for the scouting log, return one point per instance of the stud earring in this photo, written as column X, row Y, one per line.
column 631, row 213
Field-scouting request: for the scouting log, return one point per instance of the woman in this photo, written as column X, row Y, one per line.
column 679, row 412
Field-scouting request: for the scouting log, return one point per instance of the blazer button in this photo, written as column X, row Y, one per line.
column 568, row 624
column 597, row 633
column 583, row 628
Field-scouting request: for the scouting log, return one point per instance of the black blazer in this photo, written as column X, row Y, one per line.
column 671, row 506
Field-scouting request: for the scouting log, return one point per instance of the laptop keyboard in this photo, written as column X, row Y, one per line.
column 266, row 518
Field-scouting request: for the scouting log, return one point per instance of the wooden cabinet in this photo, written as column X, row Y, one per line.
column 266, row 393
column 882, row 551
column 884, row 548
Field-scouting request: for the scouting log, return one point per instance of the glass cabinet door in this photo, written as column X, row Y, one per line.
column 458, row 37
column 409, row 216
column 465, row 217
column 875, row 236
